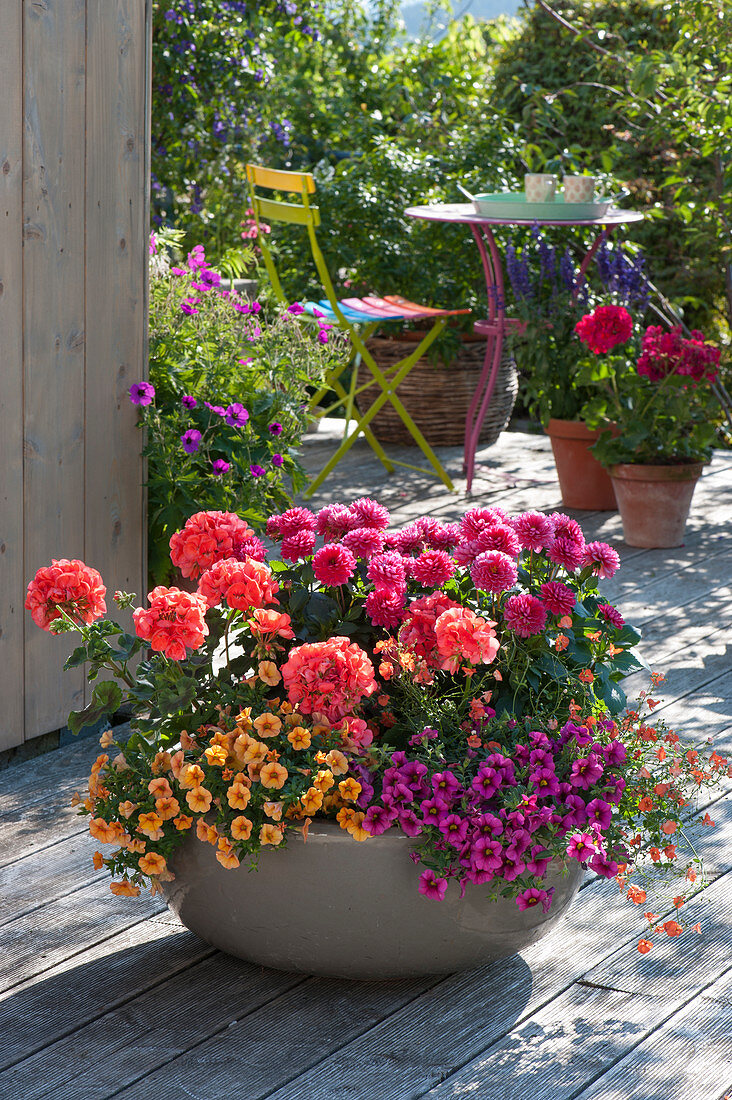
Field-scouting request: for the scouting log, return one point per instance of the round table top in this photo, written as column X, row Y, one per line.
column 463, row 213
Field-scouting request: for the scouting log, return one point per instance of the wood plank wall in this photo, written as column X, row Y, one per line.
column 74, row 217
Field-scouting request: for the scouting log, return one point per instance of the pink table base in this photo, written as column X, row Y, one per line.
column 496, row 325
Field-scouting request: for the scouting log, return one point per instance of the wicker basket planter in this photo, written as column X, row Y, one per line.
column 438, row 397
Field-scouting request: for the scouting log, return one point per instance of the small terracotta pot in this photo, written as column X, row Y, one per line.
column 583, row 482
column 654, row 502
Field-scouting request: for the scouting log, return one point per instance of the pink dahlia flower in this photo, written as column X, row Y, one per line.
column 443, row 536
column 385, row 606
column 334, row 565
column 535, row 530
column 524, row 615
column 493, row 571
column 433, row 568
column 364, row 541
column 499, row 537
column 299, row 545
column 611, row 615
column 387, row 570
column 558, row 598
column 294, row 520
column 333, row 521
column 476, row 520
column 566, row 552
column 370, row 513
column 410, row 540
column 604, row 559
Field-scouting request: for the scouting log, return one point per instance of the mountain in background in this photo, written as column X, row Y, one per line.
column 414, row 14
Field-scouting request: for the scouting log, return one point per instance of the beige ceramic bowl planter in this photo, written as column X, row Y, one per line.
column 654, row 502
column 334, row 906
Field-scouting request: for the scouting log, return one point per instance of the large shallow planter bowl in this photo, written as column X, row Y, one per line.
column 654, row 502
column 583, row 482
column 338, row 907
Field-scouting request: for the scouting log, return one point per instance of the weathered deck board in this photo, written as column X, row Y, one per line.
column 104, row 997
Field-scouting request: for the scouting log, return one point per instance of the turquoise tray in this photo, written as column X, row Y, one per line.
column 513, row 204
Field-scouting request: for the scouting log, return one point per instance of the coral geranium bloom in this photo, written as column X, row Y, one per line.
column 329, row 677
column 206, row 538
column 174, row 621
column 245, row 585
column 464, row 636
column 69, row 586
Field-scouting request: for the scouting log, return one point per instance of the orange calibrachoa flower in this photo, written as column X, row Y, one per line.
column 349, row 789
column 167, row 808
column 273, row 810
column 125, row 889
column 150, row 825
column 337, row 762
column 226, row 855
column 199, row 800
column 98, row 861
column 312, row 800
column 209, row 834
column 191, row 776
column 127, row 808
column 269, row 673
column 267, row 725
column 238, row 796
column 152, row 863
column 160, row 788
column 271, row 834
column 182, row 822
column 241, row 828
column 137, row 846
column 273, row 775
column 216, row 756
column 106, row 832
column 299, row 738
column 324, row 780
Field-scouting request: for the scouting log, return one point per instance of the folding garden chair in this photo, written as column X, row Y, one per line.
column 359, row 317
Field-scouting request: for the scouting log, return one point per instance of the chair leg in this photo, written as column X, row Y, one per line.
column 389, row 387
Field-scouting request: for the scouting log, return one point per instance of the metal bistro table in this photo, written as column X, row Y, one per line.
column 497, row 324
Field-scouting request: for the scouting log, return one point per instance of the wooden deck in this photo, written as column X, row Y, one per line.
column 105, row 997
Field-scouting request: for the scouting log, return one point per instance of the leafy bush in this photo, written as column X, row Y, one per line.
column 224, row 409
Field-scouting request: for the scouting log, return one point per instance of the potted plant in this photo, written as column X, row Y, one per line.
column 448, row 694
column 222, row 412
column 550, row 297
column 662, row 402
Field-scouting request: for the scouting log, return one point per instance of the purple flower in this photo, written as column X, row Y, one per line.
column 531, row 897
column 188, row 402
column 191, row 441
column 378, row 819
column 486, row 854
column 257, row 471
column 295, row 308
column 142, row 393
column 322, row 336
column 236, row 415
column 581, row 846
column 604, row 866
column 431, row 886
column 220, row 466
column 188, row 305
column 275, row 428
column 599, row 811
column 218, row 409
column 409, row 823
column 454, row 828
column 277, row 460
column 586, row 771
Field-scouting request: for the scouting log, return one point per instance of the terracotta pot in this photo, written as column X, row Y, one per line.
column 654, row 501
column 583, row 482
column 337, row 907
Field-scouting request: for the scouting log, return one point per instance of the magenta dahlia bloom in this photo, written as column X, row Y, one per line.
column 370, row 513
column 443, row 536
column 524, row 615
column 494, row 571
column 432, row 886
column 558, row 598
column 500, row 537
column 567, row 528
column 604, row 559
column 294, row 520
column 364, row 541
column 467, row 551
column 298, row 546
column 476, row 520
column 385, row 607
column 565, row 552
column 249, row 547
column 387, row 570
column 611, row 614
column 535, row 530
column 334, row 565
column 273, row 528
column 433, row 568
column 410, row 540
column 333, row 521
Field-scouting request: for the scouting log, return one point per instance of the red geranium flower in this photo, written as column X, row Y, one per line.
column 69, row 586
